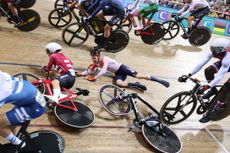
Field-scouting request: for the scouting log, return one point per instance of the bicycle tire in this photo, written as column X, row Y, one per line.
column 121, row 107
column 40, row 139
column 58, row 4
column 172, row 29
column 82, row 118
column 117, row 41
column 27, row 3
column 200, row 36
column 169, row 112
column 58, row 19
column 168, row 143
column 73, row 34
column 155, row 33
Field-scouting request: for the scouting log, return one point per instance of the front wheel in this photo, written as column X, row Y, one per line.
column 172, row 29
column 161, row 137
column 59, row 18
column 200, row 36
column 117, row 41
column 81, row 118
column 75, row 34
column 110, row 98
column 125, row 25
column 178, row 107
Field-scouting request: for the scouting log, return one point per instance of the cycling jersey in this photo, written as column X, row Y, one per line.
column 195, row 5
column 61, row 63
column 223, row 68
column 137, row 6
column 27, row 100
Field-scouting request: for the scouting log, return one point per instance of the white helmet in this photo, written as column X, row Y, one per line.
column 53, row 47
column 219, row 46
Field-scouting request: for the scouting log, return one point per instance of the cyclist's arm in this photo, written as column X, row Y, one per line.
column 222, row 71
column 103, row 70
column 50, row 63
column 202, row 63
column 92, row 7
column 136, row 6
column 183, row 10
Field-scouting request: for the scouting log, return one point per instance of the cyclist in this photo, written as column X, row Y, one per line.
column 121, row 71
column 144, row 12
column 28, row 103
column 64, row 67
column 101, row 8
column 197, row 8
column 10, row 3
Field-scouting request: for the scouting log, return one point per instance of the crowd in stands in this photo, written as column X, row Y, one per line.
column 219, row 8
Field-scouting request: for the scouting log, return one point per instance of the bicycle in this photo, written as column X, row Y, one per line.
column 72, row 113
column 181, row 105
column 31, row 19
column 116, row 102
column 77, row 33
column 198, row 37
column 152, row 32
column 36, row 142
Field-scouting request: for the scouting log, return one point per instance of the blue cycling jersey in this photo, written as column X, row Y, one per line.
column 116, row 5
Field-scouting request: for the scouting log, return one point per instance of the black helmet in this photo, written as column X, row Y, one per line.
column 95, row 51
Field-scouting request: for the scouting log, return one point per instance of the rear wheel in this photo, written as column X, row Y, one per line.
column 178, row 107
column 108, row 96
column 59, row 18
column 172, row 29
column 81, row 118
column 200, row 36
column 160, row 137
column 75, row 34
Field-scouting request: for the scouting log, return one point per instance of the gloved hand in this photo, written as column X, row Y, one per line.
column 85, row 19
column 183, row 78
column 90, row 78
column 79, row 74
column 202, row 89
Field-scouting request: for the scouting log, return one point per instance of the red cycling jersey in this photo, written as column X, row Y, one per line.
column 62, row 63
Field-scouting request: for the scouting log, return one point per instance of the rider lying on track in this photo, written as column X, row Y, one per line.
column 28, row 103
column 197, row 8
column 220, row 48
column 64, row 67
column 136, row 10
column 121, row 71
column 13, row 10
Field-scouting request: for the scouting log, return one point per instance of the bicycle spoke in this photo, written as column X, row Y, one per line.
column 108, row 94
column 183, row 113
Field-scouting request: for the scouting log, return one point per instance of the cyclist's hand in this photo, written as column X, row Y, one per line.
column 90, row 78
column 79, row 74
column 44, row 68
column 202, row 89
column 85, row 19
column 183, row 78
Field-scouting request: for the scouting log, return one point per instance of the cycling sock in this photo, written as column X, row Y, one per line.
column 57, row 92
column 163, row 82
column 13, row 139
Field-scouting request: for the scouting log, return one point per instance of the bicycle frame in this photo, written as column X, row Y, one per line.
column 48, row 91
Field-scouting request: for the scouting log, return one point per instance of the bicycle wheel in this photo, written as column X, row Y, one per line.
column 126, row 25
column 152, row 33
column 59, row 4
column 172, row 29
column 38, row 140
column 168, row 142
column 178, row 107
column 117, row 41
column 27, row 3
column 82, row 118
column 59, row 18
column 200, row 36
column 75, row 34
column 108, row 98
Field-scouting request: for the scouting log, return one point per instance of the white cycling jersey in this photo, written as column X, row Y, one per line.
column 106, row 64
column 8, row 86
column 225, row 64
column 195, row 4
column 137, row 6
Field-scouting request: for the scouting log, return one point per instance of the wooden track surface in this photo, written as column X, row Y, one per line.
column 23, row 52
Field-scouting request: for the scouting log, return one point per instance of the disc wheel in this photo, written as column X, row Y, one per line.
column 58, row 18
column 108, row 96
column 200, row 36
column 178, row 107
column 75, row 34
column 81, row 118
column 164, row 140
column 172, row 29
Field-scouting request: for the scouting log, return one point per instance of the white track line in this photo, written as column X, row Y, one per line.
column 217, row 141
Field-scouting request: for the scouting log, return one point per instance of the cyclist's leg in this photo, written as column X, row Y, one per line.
column 14, row 12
